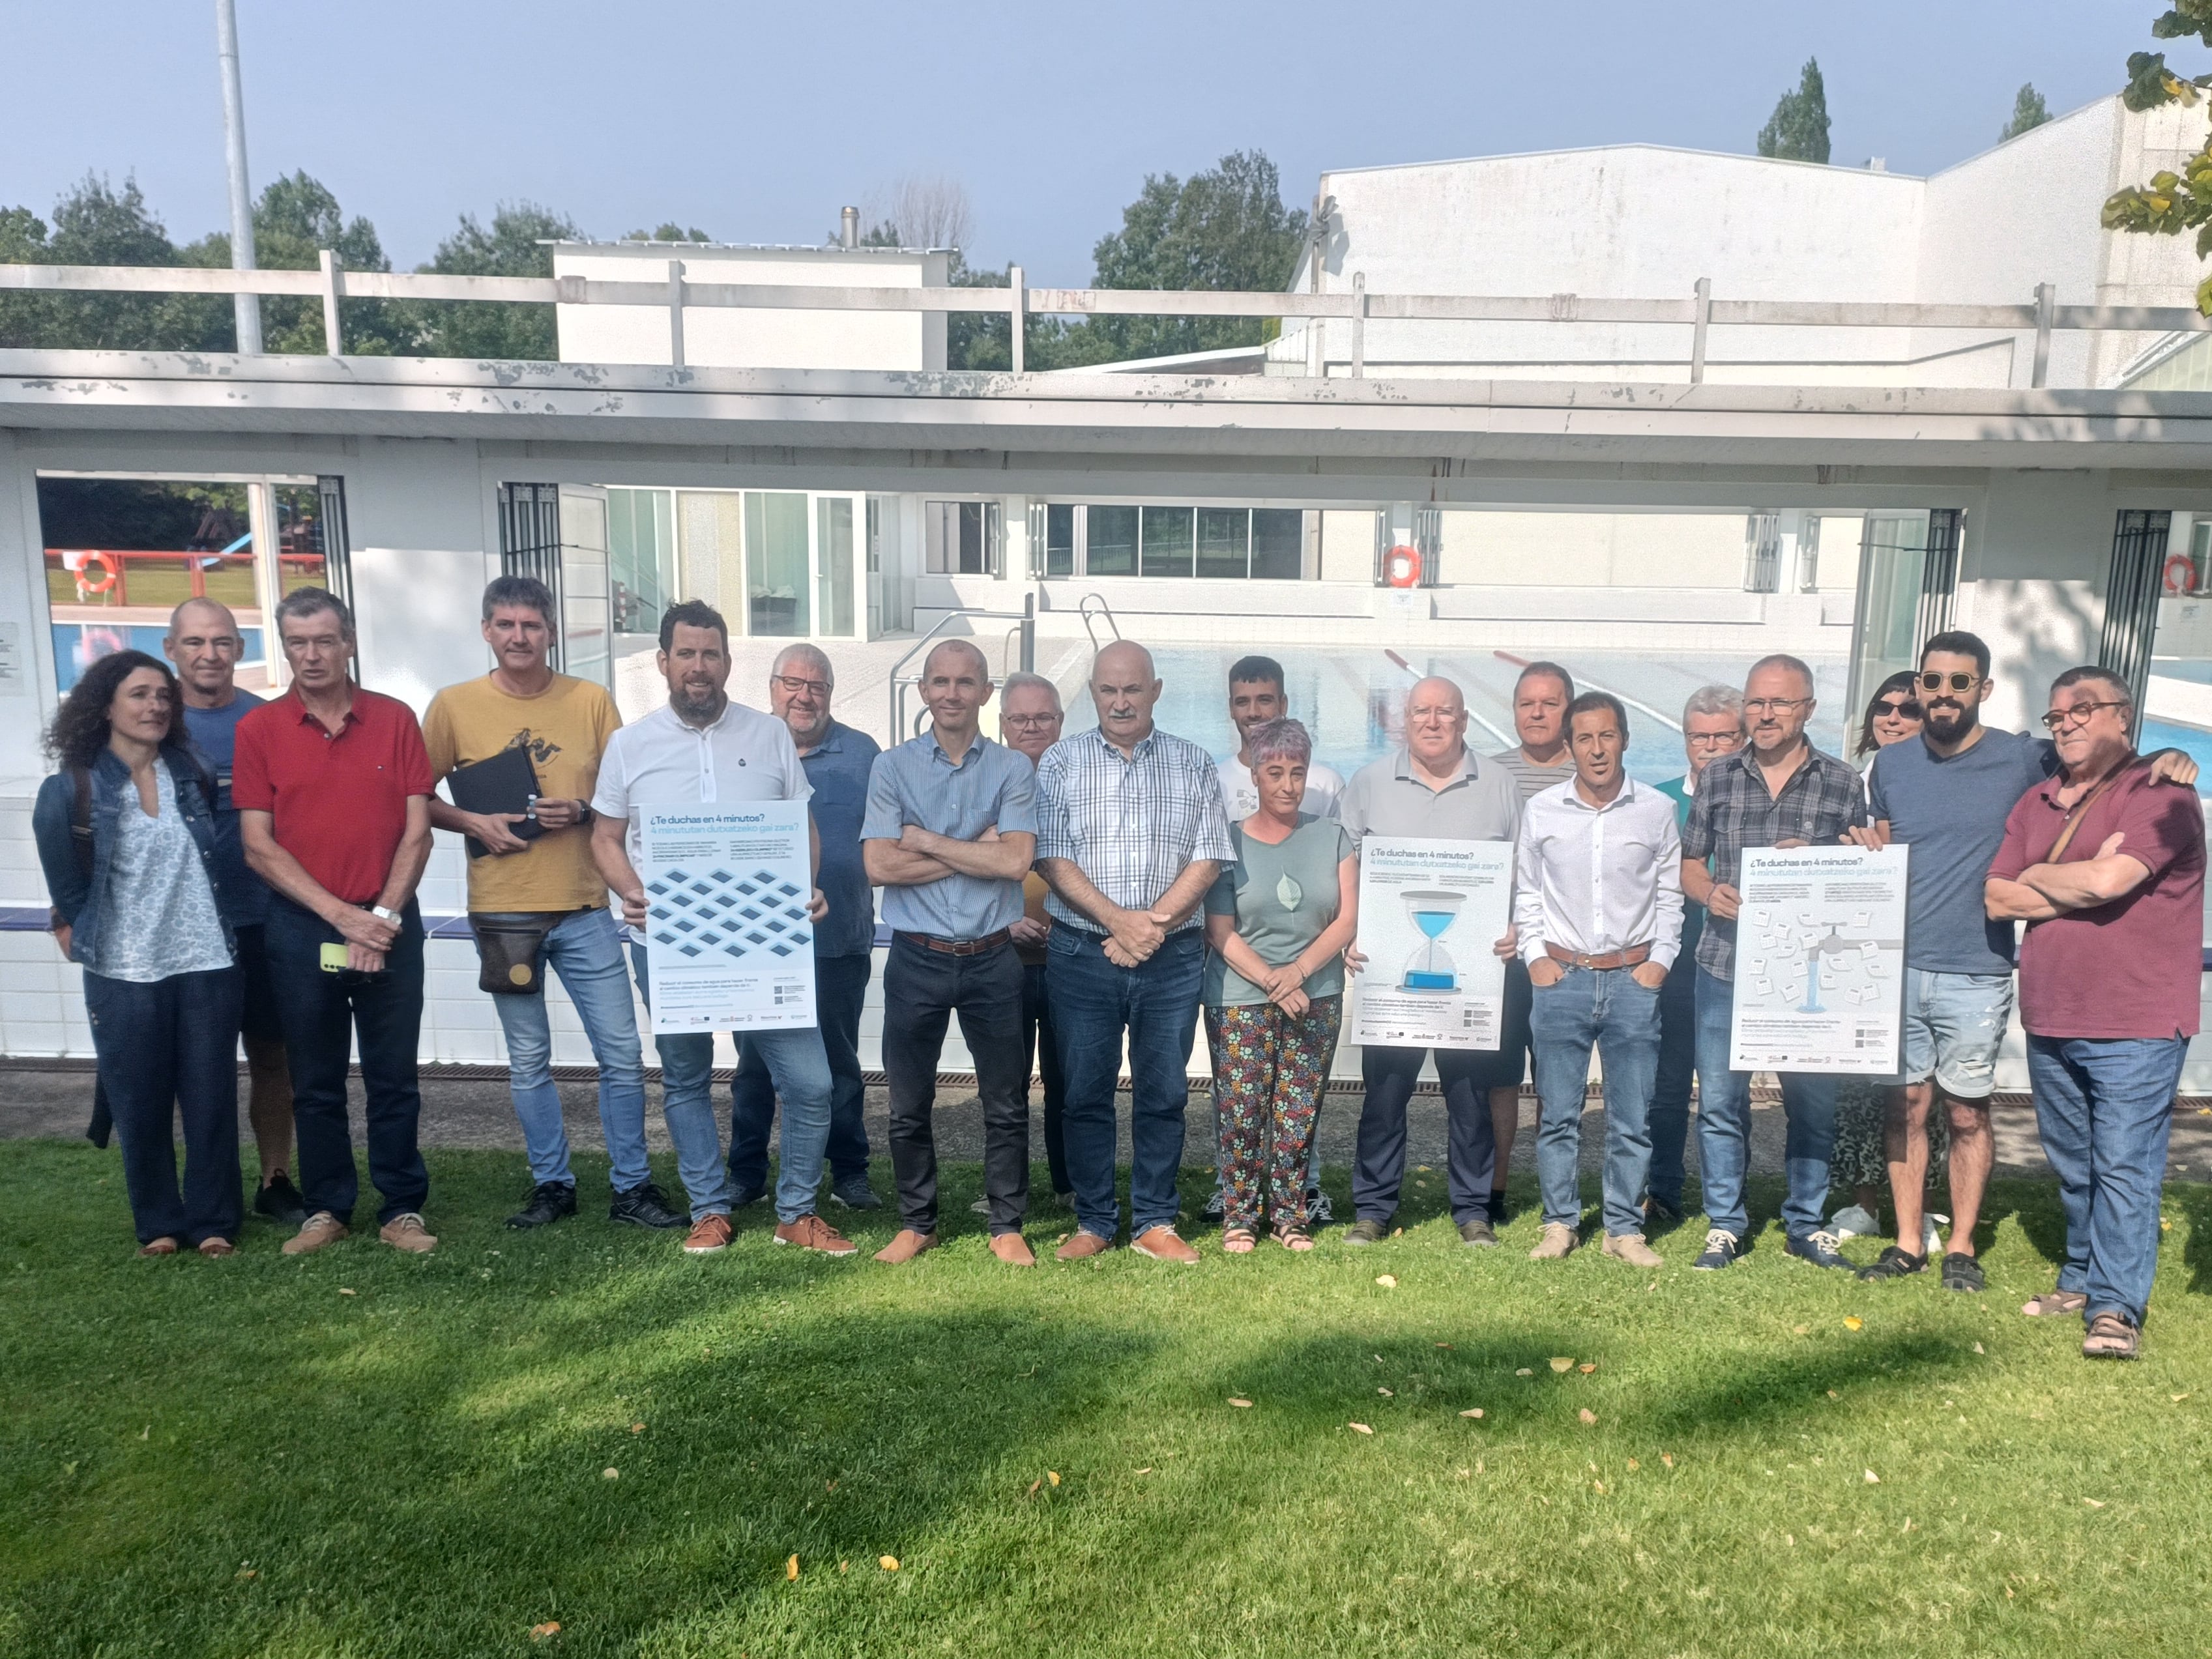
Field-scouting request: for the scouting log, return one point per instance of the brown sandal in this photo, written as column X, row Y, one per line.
column 1291, row 1235
column 164, row 1246
column 2111, row 1337
column 2054, row 1302
column 1238, row 1241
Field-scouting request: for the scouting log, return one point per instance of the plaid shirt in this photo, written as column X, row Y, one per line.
column 1131, row 825
column 1732, row 810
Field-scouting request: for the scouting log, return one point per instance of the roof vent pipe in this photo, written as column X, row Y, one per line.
column 851, row 237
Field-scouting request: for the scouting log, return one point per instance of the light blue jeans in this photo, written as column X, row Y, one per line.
column 1808, row 1104
column 1610, row 1011
column 585, row 952
column 801, row 1072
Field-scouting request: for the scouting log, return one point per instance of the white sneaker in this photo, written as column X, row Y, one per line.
column 1931, row 1241
column 1853, row 1223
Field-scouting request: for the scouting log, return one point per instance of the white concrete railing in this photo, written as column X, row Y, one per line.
column 1699, row 312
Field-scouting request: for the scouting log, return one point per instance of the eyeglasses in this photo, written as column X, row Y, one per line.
column 1773, row 705
column 1031, row 722
column 792, row 685
column 1714, row 739
column 1958, row 681
column 1906, row 709
column 2077, row 715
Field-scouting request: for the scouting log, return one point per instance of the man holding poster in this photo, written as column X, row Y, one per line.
column 1778, row 791
column 704, row 781
column 1435, row 830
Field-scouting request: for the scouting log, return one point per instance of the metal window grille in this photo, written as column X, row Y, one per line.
column 1762, row 552
column 1808, row 554
column 1429, row 543
column 529, row 540
column 2131, row 598
column 337, row 551
column 1939, row 577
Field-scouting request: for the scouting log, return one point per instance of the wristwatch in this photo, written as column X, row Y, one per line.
column 384, row 913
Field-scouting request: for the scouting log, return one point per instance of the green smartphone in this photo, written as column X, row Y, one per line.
column 334, row 958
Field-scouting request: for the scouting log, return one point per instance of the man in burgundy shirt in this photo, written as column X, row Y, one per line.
column 333, row 789
column 2107, row 869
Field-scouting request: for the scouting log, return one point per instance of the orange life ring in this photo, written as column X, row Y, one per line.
column 2180, row 574
column 104, row 583
column 1401, row 566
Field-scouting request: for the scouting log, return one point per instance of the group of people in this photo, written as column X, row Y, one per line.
column 222, row 865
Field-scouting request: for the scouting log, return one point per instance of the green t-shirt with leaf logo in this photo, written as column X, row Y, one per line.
column 1284, row 897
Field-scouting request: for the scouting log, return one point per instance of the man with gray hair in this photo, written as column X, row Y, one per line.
column 837, row 760
column 1031, row 716
column 1712, row 726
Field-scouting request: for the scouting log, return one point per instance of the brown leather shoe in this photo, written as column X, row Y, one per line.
column 708, row 1234
column 405, row 1232
column 1081, row 1246
column 1632, row 1248
column 811, row 1232
column 318, row 1229
column 1163, row 1244
column 905, row 1245
column 212, row 1247
column 1012, row 1250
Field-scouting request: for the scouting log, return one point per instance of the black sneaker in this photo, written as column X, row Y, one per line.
column 1722, row 1248
column 854, row 1193
column 1818, row 1249
column 1319, row 1211
column 1366, row 1232
column 281, row 1202
column 1895, row 1263
column 1659, row 1215
column 1497, row 1206
column 1217, row 1205
column 1477, row 1230
column 640, row 1206
column 750, row 1196
column 1962, row 1272
column 548, row 1202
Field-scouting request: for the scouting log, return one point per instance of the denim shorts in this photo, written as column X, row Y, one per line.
column 1954, row 1024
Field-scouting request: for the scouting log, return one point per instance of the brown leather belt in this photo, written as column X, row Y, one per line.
column 1634, row 956
column 959, row 947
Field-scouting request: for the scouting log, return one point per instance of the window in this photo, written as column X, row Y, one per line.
column 775, row 564
column 1762, row 552
column 1279, row 537
column 1059, row 541
column 961, row 538
column 1224, row 541
column 1808, row 554
column 1266, row 544
column 833, row 576
column 1164, row 544
column 1110, row 541
column 640, row 557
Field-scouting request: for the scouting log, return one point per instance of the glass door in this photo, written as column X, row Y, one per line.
column 778, row 576
column 834, row 548
column 1893, row 570
column 585, row 612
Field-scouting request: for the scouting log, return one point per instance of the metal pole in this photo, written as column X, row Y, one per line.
column 2046, row 299
column 246, row 306
column 1701, row 322
column 1018, row 314
column 1358, row 325
column 1029, row 633
column 676, row 312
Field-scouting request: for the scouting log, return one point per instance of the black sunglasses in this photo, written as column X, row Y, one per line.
column 1909, row 710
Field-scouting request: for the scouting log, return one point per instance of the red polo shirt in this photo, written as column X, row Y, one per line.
column 339, row 800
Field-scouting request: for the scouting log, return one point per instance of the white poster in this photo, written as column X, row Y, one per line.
column 1430, row 913
column 1820, row 960
column 727, row 936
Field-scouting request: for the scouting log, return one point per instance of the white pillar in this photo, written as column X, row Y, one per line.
column 2037, row 553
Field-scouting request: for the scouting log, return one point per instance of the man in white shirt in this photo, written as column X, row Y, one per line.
column 700, row 748
column 1255, row 696
column 1597, row 910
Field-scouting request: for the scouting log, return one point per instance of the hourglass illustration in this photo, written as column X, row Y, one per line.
column 1430, row 967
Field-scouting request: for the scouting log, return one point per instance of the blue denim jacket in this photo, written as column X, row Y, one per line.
column 77, row 898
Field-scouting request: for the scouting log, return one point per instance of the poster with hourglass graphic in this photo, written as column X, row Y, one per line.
column 1430, row 912
column 1820, row 960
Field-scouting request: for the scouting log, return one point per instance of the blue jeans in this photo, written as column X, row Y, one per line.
column 1610, row 1010
column 2105, row 1107
column 169, row 1048
column 586, row 951
column 840, row 988
column 801, row 1075
column 1093, row 1004
column 1670, row 1085
column 1724, row 1126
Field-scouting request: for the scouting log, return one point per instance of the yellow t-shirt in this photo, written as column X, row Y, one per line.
column 565, row 729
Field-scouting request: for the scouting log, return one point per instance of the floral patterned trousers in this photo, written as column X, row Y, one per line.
column 1269, row 1069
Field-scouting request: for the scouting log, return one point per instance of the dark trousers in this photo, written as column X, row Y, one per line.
column 840, row 987
column 1037, row 1041
column 1471, row 1152
column 923, row 989
column 166, row 1048
column 1670, row 1093
column 325, row 1014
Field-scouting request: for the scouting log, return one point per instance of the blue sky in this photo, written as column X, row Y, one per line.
column 755, row 122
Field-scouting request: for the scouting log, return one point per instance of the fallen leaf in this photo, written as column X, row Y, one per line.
column 1587, row 1415
column 1979, row 1349
column 831, row 1487
column 245, row 1573
column 1587, row 1367
column 1853, row 1322
column 1802, row 1330
column 1034, row 1484
column 844, row 1567
column 1667, row 1458
column 342, row 1291
column 639, row 1428
column 1423, row 1169
column 1562, row 1362
column 1598, row 1486
column 1240, row 1404
column 2095, row 1503
column 1387, row 1281
column 1872, row 1479
column 1052, row 1476
column 1397, row 1233
column 1524, row 1371
column 610, row 1475
column 1147, row 1470
column 1443, row 1345
column 2178, row 1397
column 546, row 1631
column 791, row 1569
column 1832, row 1394
column 1473, row 1411
column 1363, row 1428
column 2165, row 1225
column 887, row 1562
column 1387, row 1393
column 1633, row 1464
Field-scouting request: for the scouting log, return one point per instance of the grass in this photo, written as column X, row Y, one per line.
column 364, row 1454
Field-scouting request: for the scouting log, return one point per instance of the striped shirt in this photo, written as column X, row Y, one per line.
column 1732, row 810
column 1132, row 825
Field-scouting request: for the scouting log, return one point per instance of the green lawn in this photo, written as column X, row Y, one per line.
column 365, row 1454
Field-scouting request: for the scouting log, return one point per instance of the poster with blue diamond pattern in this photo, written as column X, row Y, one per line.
column 727, row 935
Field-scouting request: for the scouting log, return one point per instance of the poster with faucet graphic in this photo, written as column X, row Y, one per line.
column 1820, row 960
column 1429, row 913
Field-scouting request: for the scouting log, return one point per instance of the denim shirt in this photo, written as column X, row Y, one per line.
column 80, row 900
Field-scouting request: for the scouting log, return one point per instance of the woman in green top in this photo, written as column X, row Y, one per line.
column 1277, row 923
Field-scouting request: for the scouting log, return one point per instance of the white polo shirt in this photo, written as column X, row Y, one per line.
column 661, row 762
column 1241, row 796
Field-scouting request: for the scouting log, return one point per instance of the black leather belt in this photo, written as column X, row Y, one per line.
column 959, row 947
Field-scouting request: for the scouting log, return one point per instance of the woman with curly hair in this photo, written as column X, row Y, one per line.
column 125, row 830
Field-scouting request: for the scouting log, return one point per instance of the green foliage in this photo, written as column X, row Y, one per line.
column 95, row 224
column 511, row 246
column 2171, row 202
column 2029, row 111
column 1798, row 129
column 294, row 220
column 670, row 231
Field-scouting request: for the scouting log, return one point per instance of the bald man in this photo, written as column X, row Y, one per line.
column 1434, row 788
column 204, row 643
column 1130, row 832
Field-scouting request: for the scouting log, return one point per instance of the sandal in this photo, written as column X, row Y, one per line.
column 2054, row 1302
column 1238, row 1241
column 1293, row 1236
column 2110, row 1337
column 216, row 1246
column 158, row 1247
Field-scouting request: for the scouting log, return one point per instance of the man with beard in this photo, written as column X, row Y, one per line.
column 1946, row 797
column 702, row 748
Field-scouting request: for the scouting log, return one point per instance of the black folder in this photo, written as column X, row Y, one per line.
column 507, row 783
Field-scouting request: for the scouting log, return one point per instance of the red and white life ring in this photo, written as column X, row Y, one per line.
column 1401, row 566
column 85, row 583
column 2180, row 574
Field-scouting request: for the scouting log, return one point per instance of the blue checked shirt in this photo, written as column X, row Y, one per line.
column 1732, row 810
column 1132, row 826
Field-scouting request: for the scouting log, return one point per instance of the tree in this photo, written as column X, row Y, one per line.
column 2171, row 203
column 2029, row 111
column 512, row 245
column 669, row 232
column 95, row 224
column 295, row 218
column 1798, row 129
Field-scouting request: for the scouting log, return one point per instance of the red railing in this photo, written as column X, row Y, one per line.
column 102, row 574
